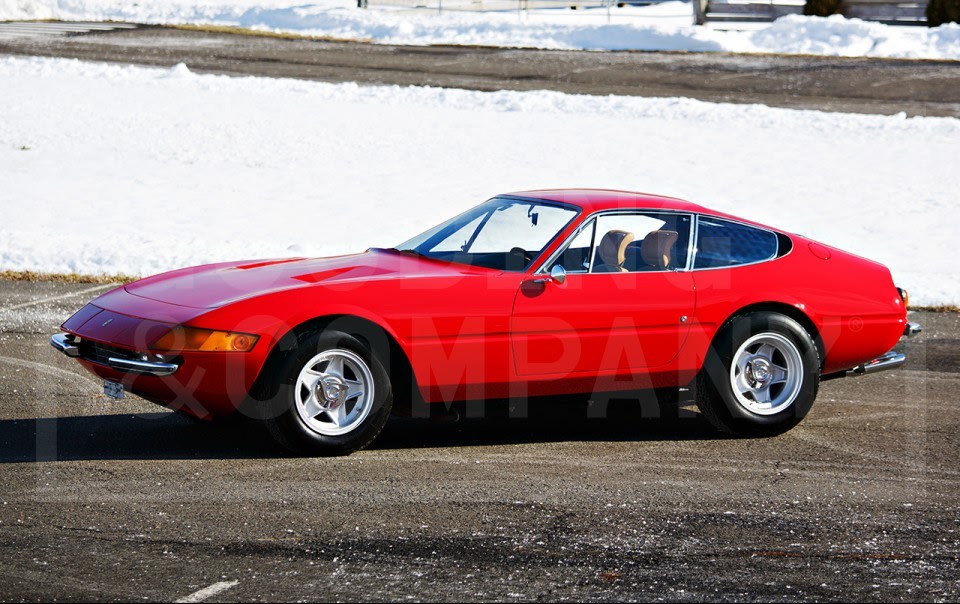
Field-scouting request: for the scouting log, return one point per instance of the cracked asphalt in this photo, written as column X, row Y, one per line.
column 103, row 500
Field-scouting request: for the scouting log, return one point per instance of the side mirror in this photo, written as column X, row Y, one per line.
column 558, row 274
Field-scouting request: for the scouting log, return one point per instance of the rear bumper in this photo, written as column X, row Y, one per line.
column 884, row 362
column 911, row 330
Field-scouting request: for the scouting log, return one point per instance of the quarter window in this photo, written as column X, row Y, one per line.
column 723, row 243
column 576, row 257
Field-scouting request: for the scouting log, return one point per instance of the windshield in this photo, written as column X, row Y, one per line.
column 502, row 234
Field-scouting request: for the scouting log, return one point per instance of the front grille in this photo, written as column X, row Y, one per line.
column 100, row 353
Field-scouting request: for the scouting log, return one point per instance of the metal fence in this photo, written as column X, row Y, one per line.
column 502, row 5
column 894, row 12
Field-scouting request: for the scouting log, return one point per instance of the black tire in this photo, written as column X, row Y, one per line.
column 284, row 422
column 714, row 387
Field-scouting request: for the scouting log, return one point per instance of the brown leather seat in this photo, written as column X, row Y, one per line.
column 657, row 249
column 612, row 251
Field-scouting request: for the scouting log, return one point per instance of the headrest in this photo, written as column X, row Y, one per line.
column 657, row 248
column 613, row 247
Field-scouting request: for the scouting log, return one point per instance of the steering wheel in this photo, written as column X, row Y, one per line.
column 519, row 251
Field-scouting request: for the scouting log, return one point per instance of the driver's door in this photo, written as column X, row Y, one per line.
column 632, row 318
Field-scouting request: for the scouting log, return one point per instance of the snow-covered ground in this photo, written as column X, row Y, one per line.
column 107, row 169
column 665, row 26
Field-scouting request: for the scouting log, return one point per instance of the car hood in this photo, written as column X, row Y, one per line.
column 215, row 285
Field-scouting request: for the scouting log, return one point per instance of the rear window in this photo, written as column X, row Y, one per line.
column 724, row 243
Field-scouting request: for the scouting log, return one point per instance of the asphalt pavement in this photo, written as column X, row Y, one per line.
column 859, row 85
column 105, row 500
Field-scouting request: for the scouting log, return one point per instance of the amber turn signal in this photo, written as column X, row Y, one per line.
column 904, row 296
column 206, row 340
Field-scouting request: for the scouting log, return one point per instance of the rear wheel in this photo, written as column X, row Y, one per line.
column 760, row 377
column 333, row 396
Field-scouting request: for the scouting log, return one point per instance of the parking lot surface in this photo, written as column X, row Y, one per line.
column 123, row 500
column 828, row 83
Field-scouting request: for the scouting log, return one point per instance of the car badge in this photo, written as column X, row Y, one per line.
column 107, row 322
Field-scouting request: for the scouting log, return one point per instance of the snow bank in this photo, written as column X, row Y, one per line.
column 666, row 26
column 140, row 170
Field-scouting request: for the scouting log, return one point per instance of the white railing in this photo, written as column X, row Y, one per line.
column 501, row 5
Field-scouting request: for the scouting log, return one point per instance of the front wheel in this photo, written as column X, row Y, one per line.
column 333, row 396
column 760, row 377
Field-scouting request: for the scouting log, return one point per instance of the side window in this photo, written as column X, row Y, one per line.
column 576, row 257
column 629, row 243
column 641, row 242
column 724, row 243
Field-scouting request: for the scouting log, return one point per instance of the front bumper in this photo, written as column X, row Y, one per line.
column 203, row 384
column 65, row 343
column 111, row 339
column 68, row 345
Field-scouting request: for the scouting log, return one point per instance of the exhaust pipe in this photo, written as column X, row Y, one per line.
column 891, row 360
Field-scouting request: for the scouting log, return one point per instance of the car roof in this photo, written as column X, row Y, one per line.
column 593, row 200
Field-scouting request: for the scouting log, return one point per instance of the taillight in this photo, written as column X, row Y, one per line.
column 904, row 296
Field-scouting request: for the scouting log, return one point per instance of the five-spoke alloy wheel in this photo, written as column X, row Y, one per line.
column 334, row 392
column 761, row 375
column 332, row 395
column 765, row 373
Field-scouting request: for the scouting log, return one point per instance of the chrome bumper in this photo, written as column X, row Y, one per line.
column 890, row 360
column 142, row 367
column 67, row 344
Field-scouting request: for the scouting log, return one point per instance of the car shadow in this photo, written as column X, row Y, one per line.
column 161, row 435
column 542, row 422
column 168, row 435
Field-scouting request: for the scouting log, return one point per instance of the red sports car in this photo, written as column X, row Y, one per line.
column 539, row 293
